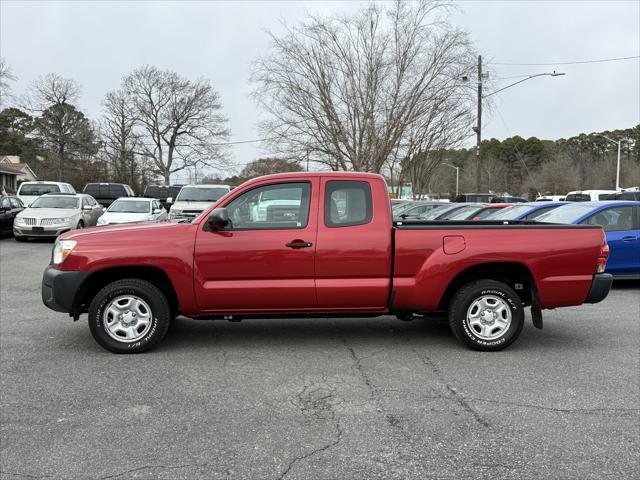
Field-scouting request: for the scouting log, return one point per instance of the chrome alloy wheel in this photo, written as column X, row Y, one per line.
column 489, row 317
column 127, row 318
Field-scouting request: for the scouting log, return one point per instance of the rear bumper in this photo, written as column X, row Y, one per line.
column 59, row 288
column 599, row 287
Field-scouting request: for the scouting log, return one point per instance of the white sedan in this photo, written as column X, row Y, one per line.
column 133, row 209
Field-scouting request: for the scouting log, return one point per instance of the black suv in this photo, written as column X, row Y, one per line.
column 106, row 193
column 162, row 192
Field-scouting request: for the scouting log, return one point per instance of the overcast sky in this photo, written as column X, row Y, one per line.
column 97, row 43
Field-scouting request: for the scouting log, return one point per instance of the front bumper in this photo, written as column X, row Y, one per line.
column 59, row 288
column 600, row 287
column 53, row 231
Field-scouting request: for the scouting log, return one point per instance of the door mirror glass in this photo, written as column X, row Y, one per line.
column 169, row 200
column 86, row 207
column 218, row 219
column 157, row 210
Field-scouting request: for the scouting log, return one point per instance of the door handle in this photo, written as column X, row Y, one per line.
column 299, row 244
column 630, row 238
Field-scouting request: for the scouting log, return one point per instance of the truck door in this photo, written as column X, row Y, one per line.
column 353, row 253
column 264, row 259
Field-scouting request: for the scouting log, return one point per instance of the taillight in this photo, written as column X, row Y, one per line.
column 601, row 262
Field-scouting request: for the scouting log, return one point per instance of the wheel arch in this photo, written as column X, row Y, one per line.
column 510, row 273
column 97, row 280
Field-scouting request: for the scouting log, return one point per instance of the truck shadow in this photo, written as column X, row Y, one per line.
column 381, row 332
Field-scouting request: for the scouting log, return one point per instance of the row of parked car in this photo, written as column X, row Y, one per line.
column 48, row 209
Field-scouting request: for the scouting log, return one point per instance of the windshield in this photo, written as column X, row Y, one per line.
column 201, row 194
column 434, row 213
column 510, row 213
column 565, row 214
column 39, row 188
column 130, row 206
column 55, row 202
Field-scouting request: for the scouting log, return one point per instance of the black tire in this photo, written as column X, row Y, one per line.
column 80, row 225
column 160, row 315
column 465, row 298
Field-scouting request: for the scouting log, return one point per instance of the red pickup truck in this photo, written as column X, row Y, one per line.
column 321, row 244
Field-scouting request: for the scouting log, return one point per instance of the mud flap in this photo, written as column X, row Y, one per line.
column 536, row 310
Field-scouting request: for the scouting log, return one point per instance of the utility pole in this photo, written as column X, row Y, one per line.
column 457, row 175
column 619, row 142
column 478, row 129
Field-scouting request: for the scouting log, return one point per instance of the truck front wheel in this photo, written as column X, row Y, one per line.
column 129, row 316
column 486, row 315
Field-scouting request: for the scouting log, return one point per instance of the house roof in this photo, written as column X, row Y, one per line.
column 20, row 167
column 10, row 171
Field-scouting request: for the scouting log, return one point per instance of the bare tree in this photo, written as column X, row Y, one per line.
column 119, row 139
column 357, row 92
column 180, row 121
column 5, row 78
column 51, row 90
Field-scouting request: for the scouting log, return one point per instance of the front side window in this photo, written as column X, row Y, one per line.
column 271, row 207
column 347, row 203
column 612, row 219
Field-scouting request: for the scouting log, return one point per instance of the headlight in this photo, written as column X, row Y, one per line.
column 102, row 221
column 174, row 213
column 19, row 221
column 57, row 221
column 62, row 249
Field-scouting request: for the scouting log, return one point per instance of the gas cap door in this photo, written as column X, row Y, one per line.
column 452, row 244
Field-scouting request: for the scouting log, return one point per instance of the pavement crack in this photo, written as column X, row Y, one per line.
column 327, row 446
column 24, row 475
column 148, row 467
column 583, row 411
column 453, row 393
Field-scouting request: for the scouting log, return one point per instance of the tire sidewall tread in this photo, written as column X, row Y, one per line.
column 161, row 315
column 469, row 293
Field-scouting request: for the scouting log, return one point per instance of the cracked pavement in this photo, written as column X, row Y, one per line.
column 315, row 399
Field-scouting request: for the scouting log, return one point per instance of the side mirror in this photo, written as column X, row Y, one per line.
column 87, row 207
column 169, row 200
column 104, row 209
column 158, row 210
column 218, row 219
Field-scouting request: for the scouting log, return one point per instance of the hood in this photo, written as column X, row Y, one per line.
column 152, row 228
column 122, row 217
column 48, row 213
column 181, row 205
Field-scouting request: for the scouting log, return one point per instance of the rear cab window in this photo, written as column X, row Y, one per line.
column 38, row 188
column 347, row 203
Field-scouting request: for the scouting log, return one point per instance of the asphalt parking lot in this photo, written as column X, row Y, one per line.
column 315, row 399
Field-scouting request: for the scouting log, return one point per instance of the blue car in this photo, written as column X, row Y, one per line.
column 621, row 223
column 525, row 211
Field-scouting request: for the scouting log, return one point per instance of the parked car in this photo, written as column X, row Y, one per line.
column 162, row 193
column 53, row 214
column 133, row 209
column 324, row 260
column 587, row 195
column 473, row 212
column 441, row 211
column 624, row 195
column 551, row 198
column 194, row 199
column 106, row 193
column 10, row 206
column 29, row 191
column 415, row 210
column 507, row 199
column 397, row 203
column 621, row 223
column 525, row 211
column 474, row 197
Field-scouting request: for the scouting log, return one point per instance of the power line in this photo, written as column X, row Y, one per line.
column 566, row 63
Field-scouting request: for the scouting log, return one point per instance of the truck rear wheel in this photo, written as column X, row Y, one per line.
column 129, row 316
column 486, row 315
